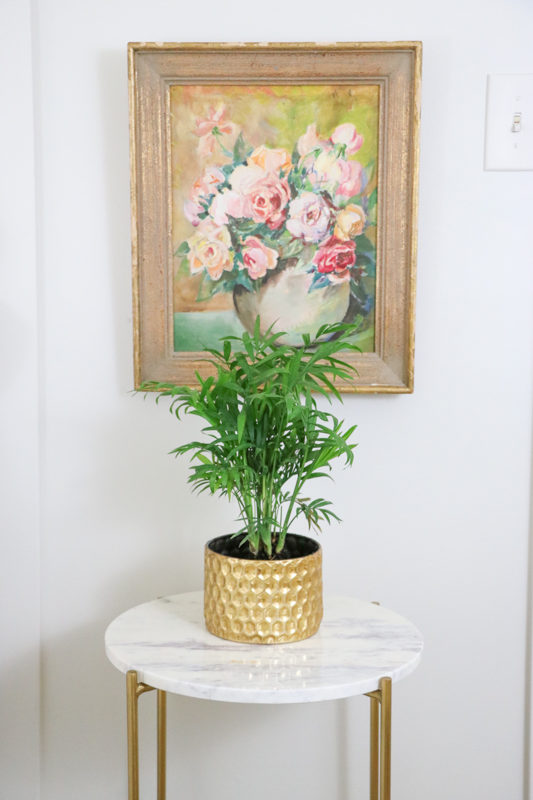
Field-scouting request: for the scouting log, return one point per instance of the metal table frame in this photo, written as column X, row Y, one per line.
column 380, row 738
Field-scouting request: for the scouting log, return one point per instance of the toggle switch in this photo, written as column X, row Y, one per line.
column 509, row 123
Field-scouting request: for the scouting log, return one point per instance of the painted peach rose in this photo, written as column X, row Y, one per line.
column 210, row 249
column 334, row 258
column 208, row 183
column 350, row 222
column 347, row 135
column 267, row 195
column 270, row 159
column 309, row 217
column 257, row 257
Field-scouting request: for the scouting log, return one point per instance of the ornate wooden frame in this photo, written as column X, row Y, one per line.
column 395, row 67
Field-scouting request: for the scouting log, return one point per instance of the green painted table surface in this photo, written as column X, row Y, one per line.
column 194, row 330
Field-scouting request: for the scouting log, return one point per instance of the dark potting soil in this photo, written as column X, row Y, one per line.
column 295, row 547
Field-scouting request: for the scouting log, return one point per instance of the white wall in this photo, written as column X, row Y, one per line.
column 436, row 510
column 19, row 404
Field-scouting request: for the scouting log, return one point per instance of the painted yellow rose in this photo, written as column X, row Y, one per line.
column 350, row 222
column 210, row 249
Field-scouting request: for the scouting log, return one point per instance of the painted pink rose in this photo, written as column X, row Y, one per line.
column 334, row 258
column 347, row 135
column 266, row 194
column 200, row 191
column 210, row 127
column 210, row 249
column 336, row 175
column 269, row 199
column 309, row 217
column 351, row 182
column 192, row 211
column 227, row 204
column 310, row 141
column 244, row 178
column 257, row 257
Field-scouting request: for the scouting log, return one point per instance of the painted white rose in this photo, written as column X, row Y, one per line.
column 309, row 217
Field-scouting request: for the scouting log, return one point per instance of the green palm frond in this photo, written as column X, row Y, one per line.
column 265, row 435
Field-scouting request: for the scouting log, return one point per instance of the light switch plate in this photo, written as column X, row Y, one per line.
column 509, row 123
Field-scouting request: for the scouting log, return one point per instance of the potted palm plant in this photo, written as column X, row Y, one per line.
column 265, row 440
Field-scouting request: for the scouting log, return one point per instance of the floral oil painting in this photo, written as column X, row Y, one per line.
column 274, row 210
column 274, row 186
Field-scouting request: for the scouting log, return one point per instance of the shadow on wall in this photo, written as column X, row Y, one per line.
column 528, row 700
column 113, row 79
column 19, row 733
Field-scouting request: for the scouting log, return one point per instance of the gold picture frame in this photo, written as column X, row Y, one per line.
column 166, row 78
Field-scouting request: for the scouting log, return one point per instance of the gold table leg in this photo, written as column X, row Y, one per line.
column 133, row 691
column 385, row 743
column 374, row 748
column 133, row 736
column 380, row 741
column 161, row 744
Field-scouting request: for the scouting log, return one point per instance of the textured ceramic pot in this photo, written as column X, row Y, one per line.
column 285, row 302
column 263, row 602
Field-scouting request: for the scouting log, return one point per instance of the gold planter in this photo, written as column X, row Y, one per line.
column 263, row 602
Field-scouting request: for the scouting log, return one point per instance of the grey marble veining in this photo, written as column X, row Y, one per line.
column 358, row 643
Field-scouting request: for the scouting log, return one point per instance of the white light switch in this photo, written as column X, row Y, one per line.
column 509, row 123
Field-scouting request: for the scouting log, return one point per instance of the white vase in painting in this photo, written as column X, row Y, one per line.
column 285, row 303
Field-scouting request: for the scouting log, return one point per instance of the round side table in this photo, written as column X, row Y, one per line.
column 360, row 649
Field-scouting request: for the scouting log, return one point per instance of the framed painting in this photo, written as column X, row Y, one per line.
column 276, row 181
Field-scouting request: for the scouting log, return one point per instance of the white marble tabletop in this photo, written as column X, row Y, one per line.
column 358, row 643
